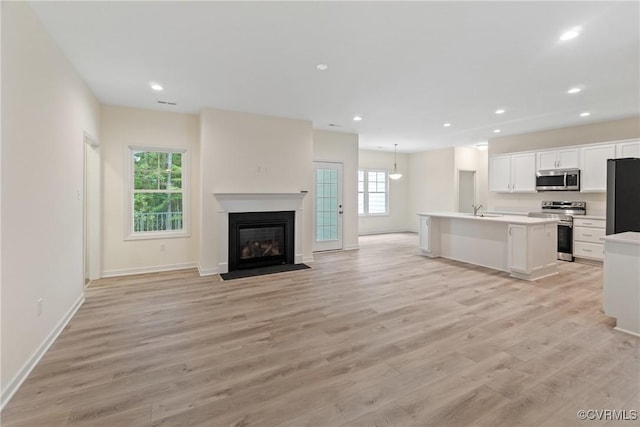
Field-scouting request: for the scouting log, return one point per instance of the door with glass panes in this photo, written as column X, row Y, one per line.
column 328, row 206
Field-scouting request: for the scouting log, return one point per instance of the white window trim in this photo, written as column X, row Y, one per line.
column 128, row 191
column 366, row 194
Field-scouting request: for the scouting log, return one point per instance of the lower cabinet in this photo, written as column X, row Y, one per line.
column 425, row 235
column 518, row 248
column 621, row 287
column 529, row 248
column 588, row 238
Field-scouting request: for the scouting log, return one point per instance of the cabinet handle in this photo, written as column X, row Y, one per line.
column 588, row 235
column 586, row 250
column 587, row 223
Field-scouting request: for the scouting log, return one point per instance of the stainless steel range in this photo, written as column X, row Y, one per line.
column 563, row 211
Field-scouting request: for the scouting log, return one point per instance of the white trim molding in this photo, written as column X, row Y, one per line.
column 152, row 269
column 257, row 202
column 31, row 363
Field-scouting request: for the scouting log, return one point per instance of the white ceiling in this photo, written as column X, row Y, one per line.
column 405, row 67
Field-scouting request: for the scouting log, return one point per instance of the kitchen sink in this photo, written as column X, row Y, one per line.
column 484, row 215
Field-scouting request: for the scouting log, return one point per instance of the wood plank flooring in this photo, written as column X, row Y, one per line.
column 375, row 337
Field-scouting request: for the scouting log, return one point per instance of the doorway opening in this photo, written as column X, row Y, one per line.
column 466, row 190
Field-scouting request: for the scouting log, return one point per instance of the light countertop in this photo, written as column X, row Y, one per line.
column 590, row 217
column 508, row 219
column 630, row 237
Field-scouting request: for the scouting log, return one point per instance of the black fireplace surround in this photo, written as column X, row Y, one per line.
column 261, row 239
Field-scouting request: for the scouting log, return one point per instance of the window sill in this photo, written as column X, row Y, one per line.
column 158, row 235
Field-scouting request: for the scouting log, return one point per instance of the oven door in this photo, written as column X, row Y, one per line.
column 565, row 241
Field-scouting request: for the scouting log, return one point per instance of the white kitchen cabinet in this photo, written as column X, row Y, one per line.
column 621, row 287
column 523, row 173
column 518, row 248
column 513, row 173
column 532, row 248
column 588, row 238
column 593, row 159
column 425, row 235
column 567, row 158
column 500, row 174
column 628, row 149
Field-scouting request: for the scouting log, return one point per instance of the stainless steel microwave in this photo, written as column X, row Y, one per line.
column 558, row 180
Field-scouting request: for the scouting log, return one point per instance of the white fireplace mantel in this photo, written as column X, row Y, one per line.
column 257, row 202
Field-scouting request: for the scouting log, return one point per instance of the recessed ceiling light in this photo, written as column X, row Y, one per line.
column 585, row 114
column 574, row 90
column 156, row 87
column 482, row 146
column 446, row 125
column 497, row 131
column 500, row 111
column 571, row 34
column 322, row 67
column 357, row 118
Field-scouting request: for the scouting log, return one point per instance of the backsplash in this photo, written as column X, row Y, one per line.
column 525, row 202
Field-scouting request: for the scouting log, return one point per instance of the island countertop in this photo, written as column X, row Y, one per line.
column 509, row 219
column 524, row 247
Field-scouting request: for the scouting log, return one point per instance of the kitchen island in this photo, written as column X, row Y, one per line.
column 524, row 247
column 621, row 288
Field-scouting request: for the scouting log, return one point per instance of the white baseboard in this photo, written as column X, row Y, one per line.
column 351, row 247
column 153, row 269
column 207, row 271
column 370, row 233
column 31, row 363
column 308, row 260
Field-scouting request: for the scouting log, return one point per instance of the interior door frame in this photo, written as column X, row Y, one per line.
column 92, row 236
column 475, row 187
column 339, row 243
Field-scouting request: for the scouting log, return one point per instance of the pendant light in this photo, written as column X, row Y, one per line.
column 395, row 174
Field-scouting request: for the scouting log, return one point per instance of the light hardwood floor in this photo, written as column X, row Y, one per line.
column 378, row 336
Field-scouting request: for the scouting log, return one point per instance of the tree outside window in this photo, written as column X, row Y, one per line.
column 157, row 191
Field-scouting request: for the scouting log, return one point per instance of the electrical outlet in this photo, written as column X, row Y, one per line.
column 40, row 302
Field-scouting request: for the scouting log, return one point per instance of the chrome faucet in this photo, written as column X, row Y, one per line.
column 476, row 208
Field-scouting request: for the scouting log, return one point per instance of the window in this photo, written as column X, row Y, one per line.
column 157, row 198
column 372, row 192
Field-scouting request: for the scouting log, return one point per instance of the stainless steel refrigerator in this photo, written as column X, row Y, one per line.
column 623, row 195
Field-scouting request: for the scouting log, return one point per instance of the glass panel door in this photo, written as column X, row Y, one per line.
column 328, row 206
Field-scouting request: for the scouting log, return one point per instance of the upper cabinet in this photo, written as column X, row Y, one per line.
column 593, row 168
column 567, row 158
column 628, row 149
column 514, row 173
column 500, row 174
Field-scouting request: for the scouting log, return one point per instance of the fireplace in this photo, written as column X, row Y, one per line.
column 243, row 203
column 261, row 239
